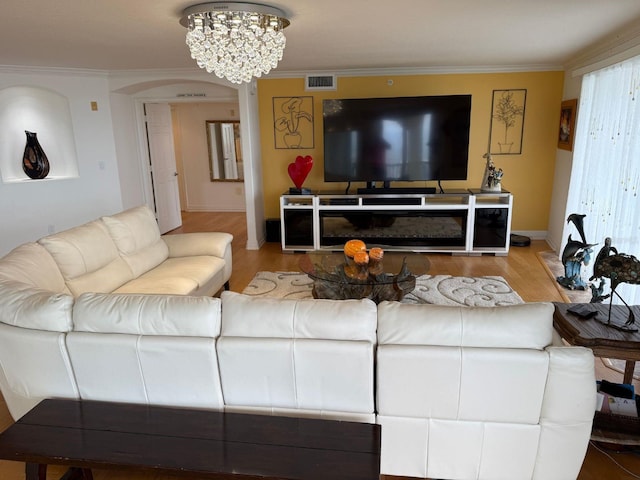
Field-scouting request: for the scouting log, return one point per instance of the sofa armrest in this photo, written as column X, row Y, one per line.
column 217, row 244
column 556, row 340
column 570, row 394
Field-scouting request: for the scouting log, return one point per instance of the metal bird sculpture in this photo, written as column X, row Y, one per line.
column 619, row 268
column 604, row 252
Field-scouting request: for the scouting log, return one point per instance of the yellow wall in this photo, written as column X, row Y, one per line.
column 529, row 176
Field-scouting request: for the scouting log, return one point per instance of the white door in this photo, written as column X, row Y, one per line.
column 164, row 174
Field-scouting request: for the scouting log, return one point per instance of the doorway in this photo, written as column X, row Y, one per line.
column 198, row 190
column 130, row 92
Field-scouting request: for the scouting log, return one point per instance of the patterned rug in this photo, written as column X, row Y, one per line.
column 434, row 289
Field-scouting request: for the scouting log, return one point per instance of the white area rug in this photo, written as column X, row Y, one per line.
column 435, row 289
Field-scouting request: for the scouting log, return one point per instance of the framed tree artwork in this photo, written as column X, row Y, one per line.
column 507, row 121
column 567, row 124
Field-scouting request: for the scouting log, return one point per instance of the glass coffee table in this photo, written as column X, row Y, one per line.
column 332, row 278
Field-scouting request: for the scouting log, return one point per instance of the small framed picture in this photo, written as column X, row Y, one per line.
column 568, row 113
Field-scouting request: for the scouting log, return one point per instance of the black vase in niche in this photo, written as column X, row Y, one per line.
column 34, row 161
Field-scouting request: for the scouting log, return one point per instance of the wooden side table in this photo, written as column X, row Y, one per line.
column 605, row 341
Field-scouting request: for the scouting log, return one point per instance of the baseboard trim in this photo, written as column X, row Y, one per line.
column 533, row 234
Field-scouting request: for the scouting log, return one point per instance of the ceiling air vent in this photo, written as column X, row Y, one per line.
column 320, row 82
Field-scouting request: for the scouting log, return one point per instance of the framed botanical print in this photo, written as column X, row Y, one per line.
column 507, row 121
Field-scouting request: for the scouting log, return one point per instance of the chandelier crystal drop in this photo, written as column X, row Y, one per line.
column 236, row 41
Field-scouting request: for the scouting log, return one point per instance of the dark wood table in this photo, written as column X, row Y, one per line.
column 605, row 341
column 189, row 442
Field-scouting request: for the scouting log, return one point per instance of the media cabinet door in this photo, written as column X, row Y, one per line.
column 297, row 222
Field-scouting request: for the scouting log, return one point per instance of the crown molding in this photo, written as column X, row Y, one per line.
column 371, row 72
column 201, row 75
column 159, row 72
column 29, row 70
column 613, row 49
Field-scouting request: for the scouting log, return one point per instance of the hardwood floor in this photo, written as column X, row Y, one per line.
column 521, row 268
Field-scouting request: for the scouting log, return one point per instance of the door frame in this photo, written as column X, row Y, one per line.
column 250, row 139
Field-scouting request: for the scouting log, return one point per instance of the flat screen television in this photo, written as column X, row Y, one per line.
column 396, row 139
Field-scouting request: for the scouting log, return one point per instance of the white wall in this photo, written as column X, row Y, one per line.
column 192, row 157
column 30, row 210
column 562, row 176
column 125, row 132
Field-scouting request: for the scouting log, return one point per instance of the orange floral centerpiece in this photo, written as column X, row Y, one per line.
column 359, row 263
column 361, row 275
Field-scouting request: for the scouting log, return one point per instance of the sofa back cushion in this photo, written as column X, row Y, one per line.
column 35, row 365
column 31, row 264
column 88, row 258
column 344, row 320
column 149, row 349
column 462, row 392
column 137, row 236
column 138, row 314
column 463, row 363
column 33, row 308
column 293, row 355
column 527, row 325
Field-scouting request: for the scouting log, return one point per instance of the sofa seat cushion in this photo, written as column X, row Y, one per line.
column 201, row 275
column 88, row 258
column 33, row 265
column 137, row 236
column 216, row 244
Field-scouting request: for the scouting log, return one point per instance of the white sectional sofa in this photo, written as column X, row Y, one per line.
column 122, row 253
column 461, row 393
column 477, row 393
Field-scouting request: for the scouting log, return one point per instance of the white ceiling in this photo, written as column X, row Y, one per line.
column 324, row 35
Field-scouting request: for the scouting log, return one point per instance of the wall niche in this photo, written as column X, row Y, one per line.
column 45, row 112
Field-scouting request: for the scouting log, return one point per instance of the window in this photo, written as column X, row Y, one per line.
column 606, row 163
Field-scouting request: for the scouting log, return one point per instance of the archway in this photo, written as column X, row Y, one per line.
column 130, row 91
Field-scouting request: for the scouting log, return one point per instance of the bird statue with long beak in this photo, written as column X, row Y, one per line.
column 618, row 268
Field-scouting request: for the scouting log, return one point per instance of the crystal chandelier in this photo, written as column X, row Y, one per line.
column 236, row 41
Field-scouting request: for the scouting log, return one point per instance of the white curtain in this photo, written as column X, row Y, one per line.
column 606, row 163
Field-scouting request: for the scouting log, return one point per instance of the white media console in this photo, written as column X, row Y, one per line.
column 467, row 222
